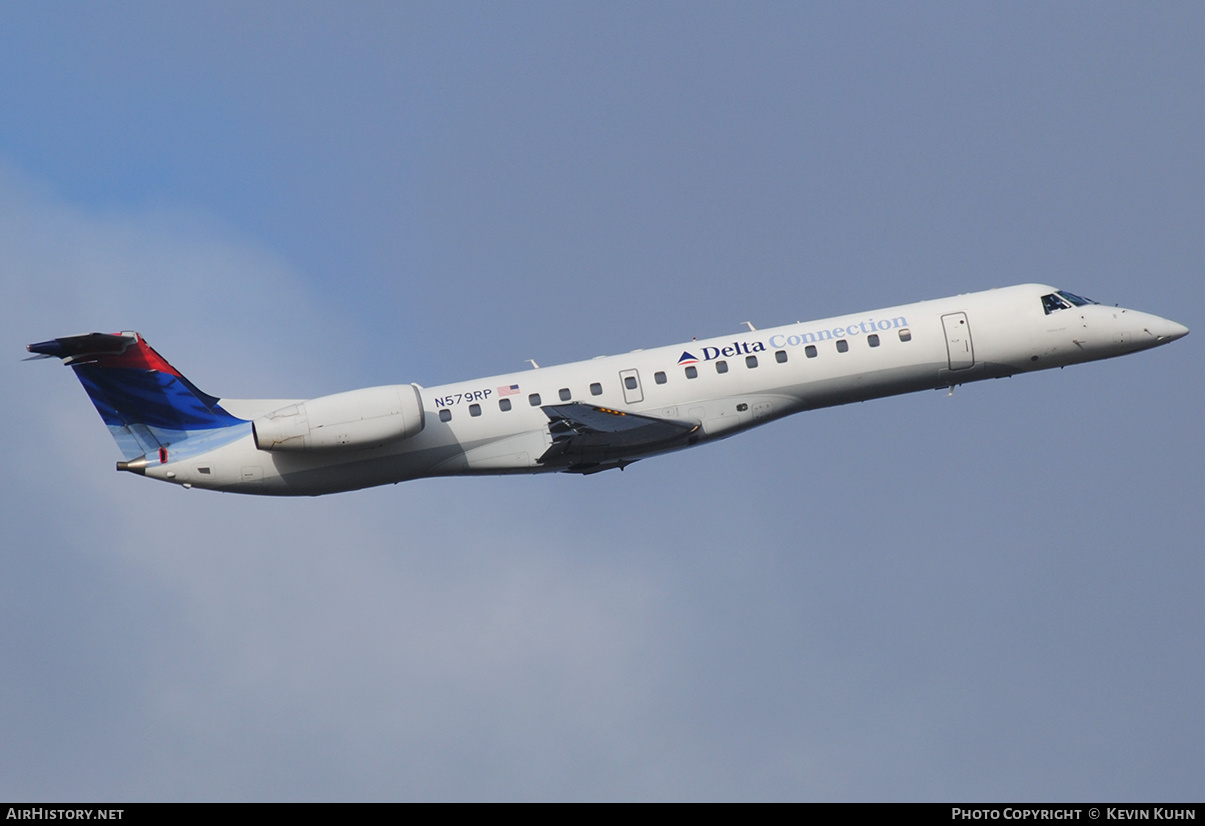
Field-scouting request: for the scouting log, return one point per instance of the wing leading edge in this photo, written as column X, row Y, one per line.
column 587, row 439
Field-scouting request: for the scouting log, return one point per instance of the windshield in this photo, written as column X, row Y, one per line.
column 1077, row 300
column 1063, row 300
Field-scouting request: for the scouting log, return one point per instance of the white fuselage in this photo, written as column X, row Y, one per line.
column 497, row 425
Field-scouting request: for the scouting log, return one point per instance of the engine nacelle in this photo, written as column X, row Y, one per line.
column 357, row 419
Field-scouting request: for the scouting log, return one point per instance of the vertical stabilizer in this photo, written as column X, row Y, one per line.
column 147, row 405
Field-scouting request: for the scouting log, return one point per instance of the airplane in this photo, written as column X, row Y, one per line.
column 587, row 416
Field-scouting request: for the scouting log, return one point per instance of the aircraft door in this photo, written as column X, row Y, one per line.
column 630, row 379
column 959, row 348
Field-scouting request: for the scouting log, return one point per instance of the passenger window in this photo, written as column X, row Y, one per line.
column 810, row 351
column 564, row 392
column 659, row 377
column 691, row 372
column 595, row 389
column 873, row 339
column 781, row 356
column 629, row 382
column 905, row 334
column 474, row 410
column 842, row 346
column 504, row 404
column 534, row 399
column 750, row 361
column 721, row 367
column 445, row 415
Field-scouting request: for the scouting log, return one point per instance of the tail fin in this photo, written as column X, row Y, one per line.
column 145, row 402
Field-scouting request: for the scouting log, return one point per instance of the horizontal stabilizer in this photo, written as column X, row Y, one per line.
column 89, row 344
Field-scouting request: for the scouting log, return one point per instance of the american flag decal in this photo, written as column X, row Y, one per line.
column 508, row 391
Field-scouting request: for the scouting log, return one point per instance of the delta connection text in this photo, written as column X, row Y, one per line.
column 1043, row 813
column 868, row 326
column 780, row 340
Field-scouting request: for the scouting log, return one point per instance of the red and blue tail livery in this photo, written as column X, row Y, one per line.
column 148, row 406
column 589, row 416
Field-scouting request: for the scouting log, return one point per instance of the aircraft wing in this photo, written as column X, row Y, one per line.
column 587, row 439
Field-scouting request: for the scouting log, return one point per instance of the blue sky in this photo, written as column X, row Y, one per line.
column 993, row 596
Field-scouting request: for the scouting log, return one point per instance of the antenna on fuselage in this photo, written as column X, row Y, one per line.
column 532, row 362
column 752, row 329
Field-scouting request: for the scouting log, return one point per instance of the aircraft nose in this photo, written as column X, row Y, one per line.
column 1164, row 329
column 1147, row 330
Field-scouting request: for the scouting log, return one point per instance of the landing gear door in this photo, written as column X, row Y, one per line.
column 630, row 379
column 959, row 347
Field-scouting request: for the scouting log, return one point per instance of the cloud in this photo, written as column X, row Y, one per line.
column 425, row 641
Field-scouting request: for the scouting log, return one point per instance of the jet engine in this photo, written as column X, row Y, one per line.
column 358, row 419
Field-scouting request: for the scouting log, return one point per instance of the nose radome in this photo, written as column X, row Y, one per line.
column 1148, row 330
column 1164, row 329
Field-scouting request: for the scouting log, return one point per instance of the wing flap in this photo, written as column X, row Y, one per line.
column 586, row 438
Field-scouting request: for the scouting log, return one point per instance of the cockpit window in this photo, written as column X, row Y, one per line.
column 1063, row 300
column 1077, row 300
column 1053, row 302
